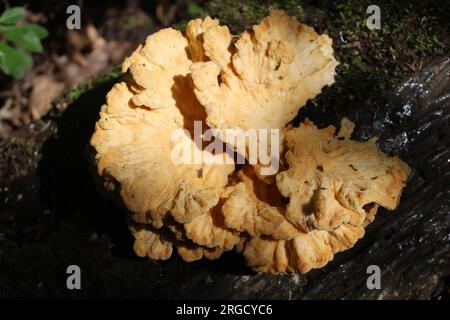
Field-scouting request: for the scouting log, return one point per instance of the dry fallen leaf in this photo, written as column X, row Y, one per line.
column 44, row 89
column 89, row 54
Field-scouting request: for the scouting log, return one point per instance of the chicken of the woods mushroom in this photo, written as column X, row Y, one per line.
column 327, row 190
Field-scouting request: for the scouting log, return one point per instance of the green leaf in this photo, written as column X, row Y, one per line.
column 14, row 62
column 12, row 15
column 194, row 9
column 27, row 35
column 39, row 31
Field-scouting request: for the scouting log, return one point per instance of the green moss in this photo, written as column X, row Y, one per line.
column 241, row 15
column 374, row 61
column 88, row 84
column 134, row 21
column 409, row 32
column 180, row 25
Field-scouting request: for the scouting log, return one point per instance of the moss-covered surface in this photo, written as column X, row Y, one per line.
column 73, row 94
column 53, row 216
